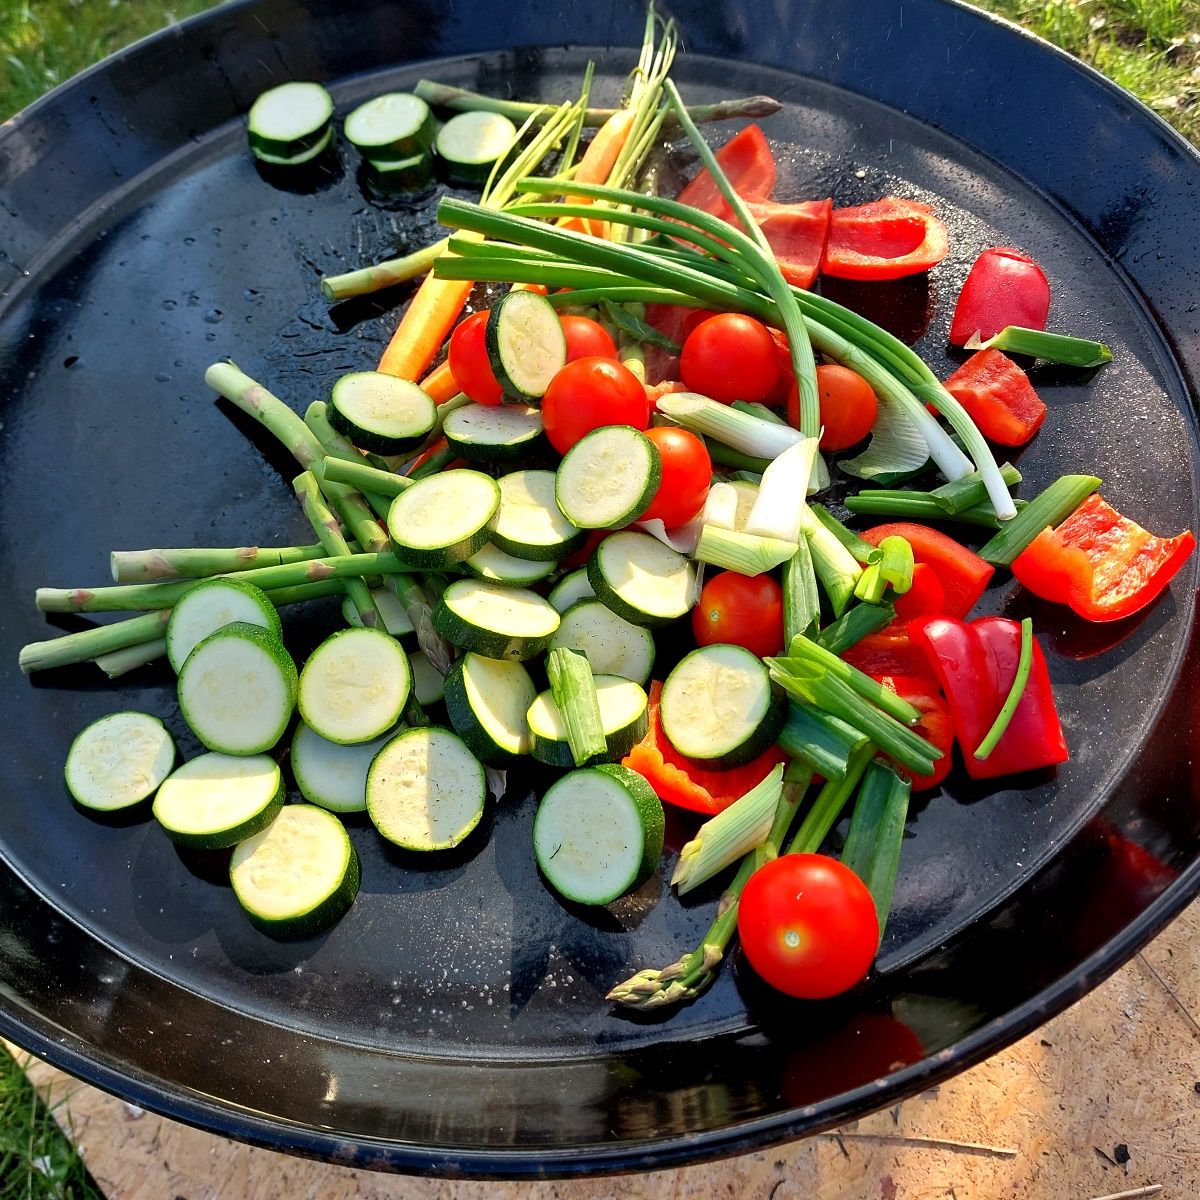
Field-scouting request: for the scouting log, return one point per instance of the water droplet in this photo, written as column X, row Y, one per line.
column 189, row 241
column 214, row 316
column 210, row 337
column 162, row 377
column 170, row 305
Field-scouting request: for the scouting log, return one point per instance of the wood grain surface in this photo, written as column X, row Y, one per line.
column 1054, row 1116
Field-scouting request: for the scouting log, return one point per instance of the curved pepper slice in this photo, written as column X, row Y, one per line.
column 889, row 652
column 749, row 166
column 683, row 781
column 796, row 234
column 1102, row 564
column 961, row 572
column 886, row 239
column 976, row 665
column 936, row 725
column 998, row 397
column 1004, row 287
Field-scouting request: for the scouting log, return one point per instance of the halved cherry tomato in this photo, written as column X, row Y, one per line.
column 686, row 475
column 469, row 362
column 730, row 357
column 961, row 572
column 808, row 925
column 586, row 338
column 744, row 610
column 588, row 393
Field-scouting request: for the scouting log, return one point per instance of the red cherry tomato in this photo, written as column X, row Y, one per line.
column 469, row 361
column 848, row 406
column 686, row 474
column 730, row 357
column 588, row 393
column 807, row 925
column 586, row 338
column 745, row 610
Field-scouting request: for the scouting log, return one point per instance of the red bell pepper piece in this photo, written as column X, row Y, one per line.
column 886, row 239
column 750, row 167
column 961, row 572
column 1004, row 287
column 889, row 652
column 683, row 781
column 925, row 598
column 998, row 397
column 1102, row 564
column 936, row 725
column 976, row 665
column 796, row 234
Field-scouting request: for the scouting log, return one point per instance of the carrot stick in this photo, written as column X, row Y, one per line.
column 597, row 163
column 424, row 327
column 440, row 385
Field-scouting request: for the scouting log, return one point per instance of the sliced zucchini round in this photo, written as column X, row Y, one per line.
column 401, row 175
column 381, row 412
column 396, row 125
column 443, row 519
column 425, row 789
column 298, row 876
column 570, row 588
column 331, row 774
column 613, row 645
column 291, row 123
column 237, row 689
column 526, row 344
column 492, row 563
column 642, row 580
column 624, row 717
column 471, row 143
column 486, row 700
column 354, row 686
column 210, row 606
column 390, row 610
column 608, row 478
column 119, row 761
column 529, row 523
column 720, row 705
column 503, row 433
column 429, row 685
column 495, row 620
column 218, row 800
column 598, row 833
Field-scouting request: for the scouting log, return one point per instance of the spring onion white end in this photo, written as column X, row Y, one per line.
column 738, row 430
column 745, row 553
column 780, row 503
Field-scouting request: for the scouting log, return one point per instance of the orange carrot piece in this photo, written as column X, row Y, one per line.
column 439, row 384
column 597, row 163
column 424, row 327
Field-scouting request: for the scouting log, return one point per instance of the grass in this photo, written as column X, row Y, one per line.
column 37, row 1162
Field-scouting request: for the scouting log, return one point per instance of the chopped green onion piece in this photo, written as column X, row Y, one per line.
column 779, row 507
column 970, row 490
column 921, row 506
column 828, row 805
column 801, row 601
column 836, row 568
column 894, row 558
column 574, row 690
column 1051, row 347
column 738, row 430
column 758, row 410
column 819, row 740
column 1020, row 679
column 861, row 550
column 876, row 835
column 871, row 585
column 745, row 553
column 1052, row 507
column 853, row 625
column 723, row 456
column 733, row 832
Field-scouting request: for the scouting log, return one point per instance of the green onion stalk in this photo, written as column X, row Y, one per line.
column 692, row 974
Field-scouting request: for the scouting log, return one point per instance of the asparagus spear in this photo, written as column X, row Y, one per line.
column 157, row 566
column 385, row 484
column 462, row 100
column 326, row 527
column 337, row 446
column 117, row 662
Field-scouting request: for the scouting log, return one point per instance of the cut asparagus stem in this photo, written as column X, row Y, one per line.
column 363, row 477
column 462, row 100
column 337, row 446
column 145, row 597
column 689, row 976
column 326, row 527
column 118, row 662
column 158, row 566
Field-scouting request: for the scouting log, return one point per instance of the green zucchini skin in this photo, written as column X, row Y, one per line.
column 484, row 639
column 533, row 490
column 403, row 399
column 525, row 343
column 266, row 119
column 470, row 144
column 468, row 724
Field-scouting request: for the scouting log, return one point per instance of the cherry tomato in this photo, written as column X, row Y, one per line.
column 469, row 361
column 730, row 357
column 807, row 925
column 588, row 393
column 586, row 338
column 744, row 610
column 848, row 406
column 686, row 474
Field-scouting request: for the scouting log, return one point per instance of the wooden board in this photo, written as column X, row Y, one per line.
column 1042, row 1119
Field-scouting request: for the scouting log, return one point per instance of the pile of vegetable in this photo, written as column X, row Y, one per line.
column 592, row 504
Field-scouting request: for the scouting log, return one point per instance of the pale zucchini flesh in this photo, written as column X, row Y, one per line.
column 570, row 589
column 444, row 518
column 217, row 800
column 396, row 125
column 210, row 606
column 380, row 412
column 493, row 563
column 118, row 761
column 425, row 790
column 526, row 344
column 608, row 478
column 487, row 700
column 494, row 433
column 471, row 143
column 613, row 645
column 494, row 619
column 288, row 122
column 529, row 523
column 623, row 717
column 642, row 580
column 331, row 774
